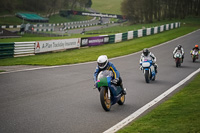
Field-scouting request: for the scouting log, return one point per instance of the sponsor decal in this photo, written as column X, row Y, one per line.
column 38, row 45
column 84, row 42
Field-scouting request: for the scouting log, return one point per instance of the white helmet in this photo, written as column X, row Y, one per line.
column 102, row 61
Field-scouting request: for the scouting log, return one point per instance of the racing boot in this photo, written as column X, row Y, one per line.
column 155, row 67
column 123, row 89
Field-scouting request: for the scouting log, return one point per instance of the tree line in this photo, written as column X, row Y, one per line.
column 45, row 6
column 146, row 11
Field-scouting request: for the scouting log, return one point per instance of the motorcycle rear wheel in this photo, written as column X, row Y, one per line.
column 105, row 102
column 122, row 100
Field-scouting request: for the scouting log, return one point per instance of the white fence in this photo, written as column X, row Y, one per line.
column 24, row 48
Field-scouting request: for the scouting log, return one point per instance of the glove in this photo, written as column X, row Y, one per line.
column 140, row 67
column 95, row 85
column 115, row 81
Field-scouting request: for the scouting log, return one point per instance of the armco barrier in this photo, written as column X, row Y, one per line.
column 24, row 48
column 124, row 36
column 30, row 48
column 118, row 37
column 6, row 50
column 130, row 35
column 141, row 32
column 144, row 32
column 111, row 38
column 135, row 34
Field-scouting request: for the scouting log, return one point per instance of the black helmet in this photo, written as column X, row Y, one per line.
column 145, row 52
column 179, row 47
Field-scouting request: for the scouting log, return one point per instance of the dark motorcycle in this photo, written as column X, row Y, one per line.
column 110, row 93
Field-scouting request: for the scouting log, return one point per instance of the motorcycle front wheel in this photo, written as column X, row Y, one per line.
column 146, row 76
column 177, row 63
column 193, row 58
column 105, row 101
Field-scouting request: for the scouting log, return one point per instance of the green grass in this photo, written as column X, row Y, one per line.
column 13, row 20
column 126, row 27
column 2, row 71
column 179, row 114
column 191, row 22
column 10, row 21
column 31, row 37
column 71, row 18
column 105, row 6
column 91, row 53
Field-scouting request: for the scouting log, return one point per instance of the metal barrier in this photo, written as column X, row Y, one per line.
column 28, row 48
column 24, row 49
column 6, row 50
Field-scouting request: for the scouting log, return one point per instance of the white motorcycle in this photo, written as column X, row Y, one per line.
column 148, row 70
column 178, row 58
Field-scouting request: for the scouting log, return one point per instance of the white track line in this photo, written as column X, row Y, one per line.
column 137, row 113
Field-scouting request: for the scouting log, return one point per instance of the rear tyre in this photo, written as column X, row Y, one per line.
column 147, row 76
column 105, row 102
column 122, row 100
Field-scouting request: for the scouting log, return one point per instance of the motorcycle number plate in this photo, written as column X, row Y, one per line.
column 145, row 64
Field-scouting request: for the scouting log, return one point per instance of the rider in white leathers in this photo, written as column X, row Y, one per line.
column 179, row 48
column 149, row 56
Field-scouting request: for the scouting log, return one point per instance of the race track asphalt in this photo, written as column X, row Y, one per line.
column 62, row 99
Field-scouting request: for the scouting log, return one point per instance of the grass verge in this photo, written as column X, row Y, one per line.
column 111, row 50
column 91, row 54
column 13, row 20
column 179, row 114
column 105, row 6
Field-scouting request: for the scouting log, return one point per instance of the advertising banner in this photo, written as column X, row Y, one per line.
column 54, row 45
column 93, row 14
column 94, row 41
